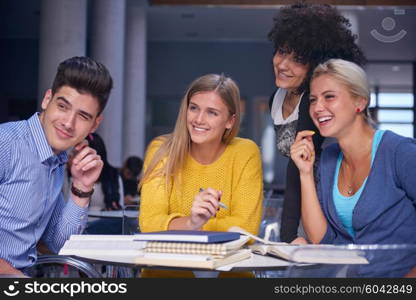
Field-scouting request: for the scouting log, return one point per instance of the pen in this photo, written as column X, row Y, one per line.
column 219, row 203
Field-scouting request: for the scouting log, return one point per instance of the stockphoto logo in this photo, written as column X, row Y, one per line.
column 70, row 289
column 11, row 290
column 388, row 24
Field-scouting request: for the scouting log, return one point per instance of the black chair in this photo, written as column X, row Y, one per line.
column 54, row 266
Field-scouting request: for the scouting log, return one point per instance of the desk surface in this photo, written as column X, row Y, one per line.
column 255, row 263
column 114, row 214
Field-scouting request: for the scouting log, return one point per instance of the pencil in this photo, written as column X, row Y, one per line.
column 222, row 205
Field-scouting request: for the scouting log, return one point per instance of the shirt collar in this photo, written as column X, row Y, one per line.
column 41, row 143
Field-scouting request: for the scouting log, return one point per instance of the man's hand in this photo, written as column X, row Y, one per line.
column 86, row 166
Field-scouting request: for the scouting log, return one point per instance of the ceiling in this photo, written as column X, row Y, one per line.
column 225, row 23
column 386, row 33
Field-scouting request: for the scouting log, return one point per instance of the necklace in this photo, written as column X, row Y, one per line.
column 350, row 183
column 349, row 191
column 349, row 186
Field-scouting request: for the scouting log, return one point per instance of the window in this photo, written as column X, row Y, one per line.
column 392, row 100
column 394, row 111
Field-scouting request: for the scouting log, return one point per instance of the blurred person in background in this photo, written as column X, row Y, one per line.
column 130, row 173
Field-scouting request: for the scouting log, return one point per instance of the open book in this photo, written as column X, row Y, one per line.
column 325, row 254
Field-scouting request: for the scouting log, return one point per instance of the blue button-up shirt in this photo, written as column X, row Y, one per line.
column 32, row 206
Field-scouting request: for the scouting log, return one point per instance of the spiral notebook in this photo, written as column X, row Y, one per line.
column 193, row 261
column 219, row 249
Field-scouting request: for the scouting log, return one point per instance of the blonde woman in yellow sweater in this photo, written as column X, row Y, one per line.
column 202, row 162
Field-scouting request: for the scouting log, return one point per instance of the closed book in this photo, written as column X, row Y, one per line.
column 101, row 237
column 196, row 248
column 195, row 236
column 192, row 261
column 84, row 247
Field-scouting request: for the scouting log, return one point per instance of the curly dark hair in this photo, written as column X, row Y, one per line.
column 314, row 34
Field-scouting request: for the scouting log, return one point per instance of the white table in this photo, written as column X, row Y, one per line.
column 114, row 214
column 255, row 263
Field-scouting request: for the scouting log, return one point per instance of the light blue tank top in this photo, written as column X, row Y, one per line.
column 345, row 205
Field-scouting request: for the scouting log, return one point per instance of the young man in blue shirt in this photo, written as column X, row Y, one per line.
column 33, row 153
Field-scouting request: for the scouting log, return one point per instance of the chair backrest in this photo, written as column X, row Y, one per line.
column 272, row 209
column 60, row 265
column 270, row 224
column 130, row 221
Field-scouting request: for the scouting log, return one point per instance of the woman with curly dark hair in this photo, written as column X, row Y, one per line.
column 303, row 36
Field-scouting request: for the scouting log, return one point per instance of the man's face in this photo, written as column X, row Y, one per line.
column 68, row 117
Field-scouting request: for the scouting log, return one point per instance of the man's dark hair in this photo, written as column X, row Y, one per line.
column 86, row 76
column 314, row 33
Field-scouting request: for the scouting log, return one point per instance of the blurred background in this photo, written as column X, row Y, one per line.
column 154, row 49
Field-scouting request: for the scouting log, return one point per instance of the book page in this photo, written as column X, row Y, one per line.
column 254, row 237
column 328, row 254
column 237, row 244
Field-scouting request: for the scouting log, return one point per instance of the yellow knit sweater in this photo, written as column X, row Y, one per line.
column 237, row 173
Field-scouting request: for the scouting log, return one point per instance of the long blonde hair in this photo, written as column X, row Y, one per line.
column 176, row 145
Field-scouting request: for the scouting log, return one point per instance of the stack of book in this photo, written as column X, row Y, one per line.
column 193, row 249
column 184, row 249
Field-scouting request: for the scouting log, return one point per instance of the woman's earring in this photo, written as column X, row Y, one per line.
column 358, row 110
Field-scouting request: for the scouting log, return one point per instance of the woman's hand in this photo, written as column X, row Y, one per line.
column 204, row 207
column 299, row 241
column 302, row 151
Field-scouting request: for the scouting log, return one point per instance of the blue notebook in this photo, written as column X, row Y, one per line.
column 192, row 236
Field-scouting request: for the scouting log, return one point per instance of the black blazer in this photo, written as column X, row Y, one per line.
column 292, row 199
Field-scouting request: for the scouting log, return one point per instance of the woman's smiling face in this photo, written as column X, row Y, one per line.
column 207, row 118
